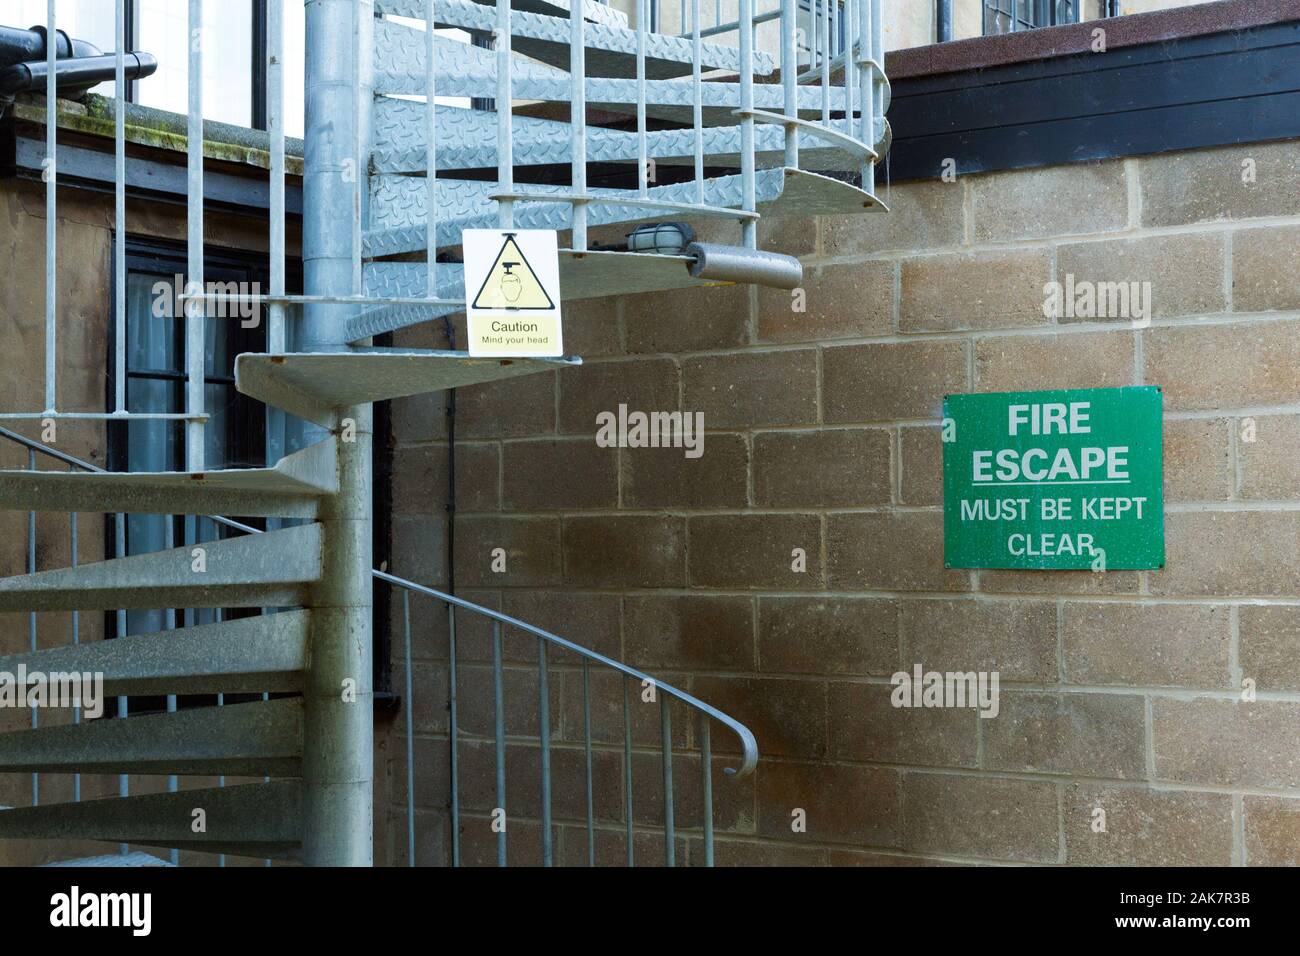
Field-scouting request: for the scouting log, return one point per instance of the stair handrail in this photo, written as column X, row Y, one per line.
column 749, row 747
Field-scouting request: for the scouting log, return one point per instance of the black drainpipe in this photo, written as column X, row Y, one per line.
column 943, row 20
column 80, row 66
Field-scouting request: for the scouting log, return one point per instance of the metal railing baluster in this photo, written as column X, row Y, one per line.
column 221, row 780
column 276, row 339
column 195, row 308
column 578, row 125
column 431, row 147
column 169, row 623
column 790, row 80
column 706, row 775
column 748, row 227
column 666, row 743
column 627, row 768
column 454, row 725
column 847, row 84
column 826, row 61
column 360, row 158
column 76, row 632
column 119, row 211
column 51, row 210
column 544, row 731
column 499, row 727
column 866, row 85
column 31, row 617
column 642, row 160
column 410, row 736
column 586, row 739
column 123, row 708
column 505, row 113
column 697, row 96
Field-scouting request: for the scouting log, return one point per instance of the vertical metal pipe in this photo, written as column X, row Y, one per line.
column 76, row 634
column 431, row 148
column 586, row 738
column 544, row 730
column 338, row 739
column 505, row 116
column 748, row 229
column 275, row 127
column 697, row 100
column 455, row 737
column 31, row 617
column 706, row 774
column 789, row 79
column 578, row 121
column 942, row 20
column 195, row 308
column 627, row 767
column 642, row 151
column 666, row 742
column 119, row 212
column 410, row 734
column 499, row 732
column 51, row 210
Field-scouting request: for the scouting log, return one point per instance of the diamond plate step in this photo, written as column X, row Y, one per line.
column 583, row 275
column 292, row 489
column 610, row 50
column 592, row 10
column 136, row 858
column 318, row 385
column 466, row 139
column 263, row 570
column 245, row 655
column 261, row 738
column 466, row 70
column 256, row 819
column 398, row 205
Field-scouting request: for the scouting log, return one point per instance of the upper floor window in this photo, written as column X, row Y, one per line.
column 1010, row 16
column 234, row 78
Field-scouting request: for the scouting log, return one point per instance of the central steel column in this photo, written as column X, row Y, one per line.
column 338, row 745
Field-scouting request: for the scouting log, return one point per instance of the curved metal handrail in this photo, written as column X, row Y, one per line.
column 749, row 746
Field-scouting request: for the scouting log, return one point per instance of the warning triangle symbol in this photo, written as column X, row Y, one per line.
column 511, row 282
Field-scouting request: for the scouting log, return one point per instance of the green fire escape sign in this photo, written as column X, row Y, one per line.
column 1054, row 480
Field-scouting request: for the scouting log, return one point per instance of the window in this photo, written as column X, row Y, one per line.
column 155, row 369
column 234, row 84
column 1010, row 16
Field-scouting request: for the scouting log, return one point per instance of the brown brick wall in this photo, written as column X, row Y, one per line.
column 1119, row 692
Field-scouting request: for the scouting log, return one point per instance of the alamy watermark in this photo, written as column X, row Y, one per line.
column 1085, row 299
column 922, row 688
column 633, row 429
column 24, row 689
column 220, row 300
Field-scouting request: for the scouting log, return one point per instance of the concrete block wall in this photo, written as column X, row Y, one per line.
column 1120, row 691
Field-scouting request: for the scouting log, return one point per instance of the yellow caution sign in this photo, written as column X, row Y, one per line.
column 511, row 283
column 512, row 292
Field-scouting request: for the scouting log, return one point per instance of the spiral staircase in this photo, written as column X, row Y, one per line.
column 735, row 137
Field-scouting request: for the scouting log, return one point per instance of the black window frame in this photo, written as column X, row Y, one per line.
column 1042, row 13
column 165, row 258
